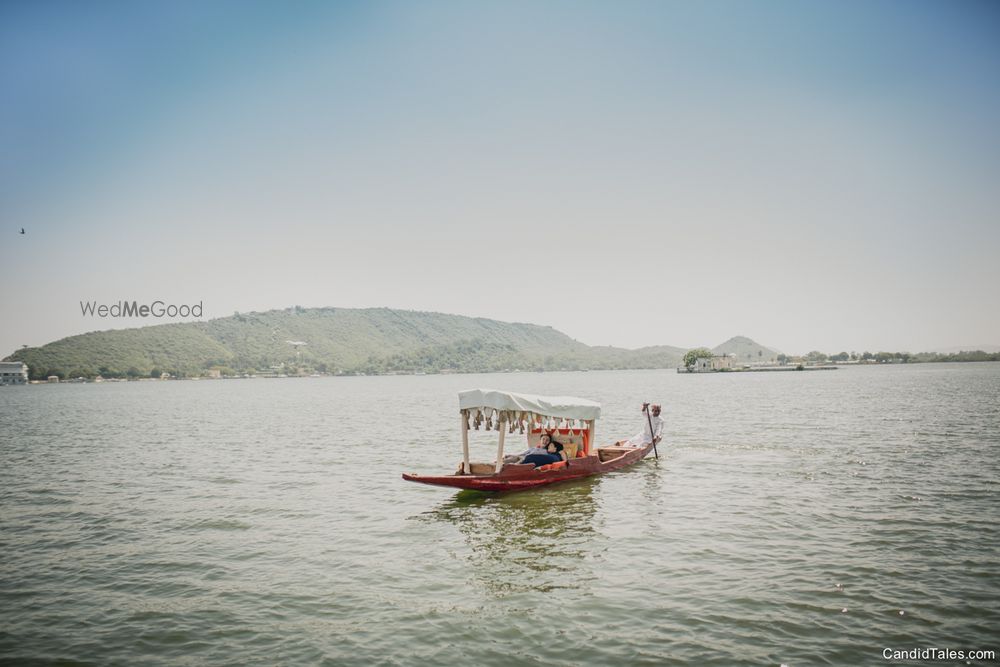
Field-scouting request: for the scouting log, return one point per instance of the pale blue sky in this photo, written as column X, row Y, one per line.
column 812, row 175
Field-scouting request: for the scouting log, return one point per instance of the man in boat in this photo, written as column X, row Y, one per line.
column 540, row 448
column 553, row 454
column 543, row 449
column 650, row 417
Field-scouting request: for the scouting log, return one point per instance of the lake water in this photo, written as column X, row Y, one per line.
column 265, row 522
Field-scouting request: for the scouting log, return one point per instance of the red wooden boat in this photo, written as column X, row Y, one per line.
column 569, row 420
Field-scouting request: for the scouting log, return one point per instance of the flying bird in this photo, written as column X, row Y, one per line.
column 22, row 230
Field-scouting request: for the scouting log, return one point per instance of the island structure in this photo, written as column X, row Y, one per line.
column 726, row 363
column 13, row 372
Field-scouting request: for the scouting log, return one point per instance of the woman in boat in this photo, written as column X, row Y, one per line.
column 543, row 449
column 553, row 454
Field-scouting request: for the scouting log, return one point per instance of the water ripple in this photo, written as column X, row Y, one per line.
column 265, row 522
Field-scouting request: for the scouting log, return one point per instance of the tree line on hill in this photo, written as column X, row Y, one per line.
column 894, row 357
column 817, row 357
column 373, row 341
column 329, row 341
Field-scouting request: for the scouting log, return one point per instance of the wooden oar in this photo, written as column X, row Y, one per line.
column 651, row 434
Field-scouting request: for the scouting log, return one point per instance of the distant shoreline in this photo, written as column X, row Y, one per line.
column 681, row 371
column 381, row 341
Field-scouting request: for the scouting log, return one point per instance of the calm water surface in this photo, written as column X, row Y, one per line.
column 265, row 522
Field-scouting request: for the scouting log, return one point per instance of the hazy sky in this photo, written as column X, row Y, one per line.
column 812, row 175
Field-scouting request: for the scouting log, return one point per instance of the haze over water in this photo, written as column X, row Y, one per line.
column 265, row 522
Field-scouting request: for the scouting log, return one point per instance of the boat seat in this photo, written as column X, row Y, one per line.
column 608, row 453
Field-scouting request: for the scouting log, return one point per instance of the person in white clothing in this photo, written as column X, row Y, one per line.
column 647, row 436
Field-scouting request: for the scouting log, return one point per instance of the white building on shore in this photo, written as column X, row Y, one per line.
column 714, row 364
column 13, row 372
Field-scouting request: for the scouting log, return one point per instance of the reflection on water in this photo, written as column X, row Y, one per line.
column 535, row 540
column 652, row 481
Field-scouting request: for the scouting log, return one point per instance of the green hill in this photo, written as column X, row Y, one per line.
column 746, row 350
column 337, row 340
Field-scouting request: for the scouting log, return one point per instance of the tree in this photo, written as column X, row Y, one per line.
column 816, row 356
column 782, row 358
column 692, row 356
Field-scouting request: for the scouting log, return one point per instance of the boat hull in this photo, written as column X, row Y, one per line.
column 517, row 477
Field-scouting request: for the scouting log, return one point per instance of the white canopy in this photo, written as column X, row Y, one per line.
column 564, row 407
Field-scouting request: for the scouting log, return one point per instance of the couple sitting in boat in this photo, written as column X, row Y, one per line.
column 547, row 451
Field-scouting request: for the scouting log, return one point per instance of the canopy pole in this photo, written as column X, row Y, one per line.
column 503, row 432
column 591, row 424
column 466, row 468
